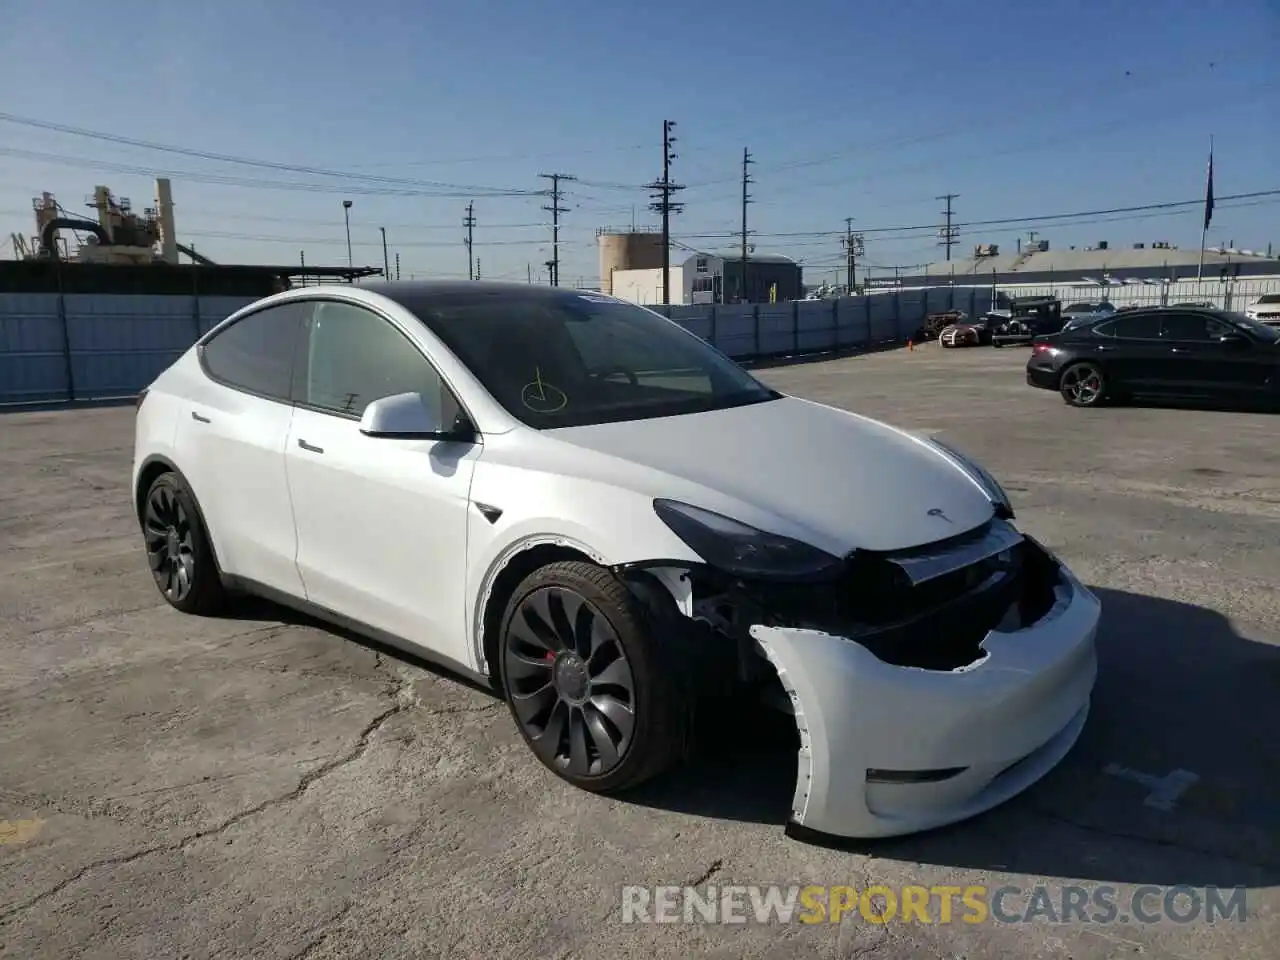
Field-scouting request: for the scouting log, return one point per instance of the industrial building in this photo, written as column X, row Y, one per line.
column 631, row 269
column 126, row 250
column 1038, row 262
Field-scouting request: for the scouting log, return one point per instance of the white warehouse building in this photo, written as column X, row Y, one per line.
column 631, row 269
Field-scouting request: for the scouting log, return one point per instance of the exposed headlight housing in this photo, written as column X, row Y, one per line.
column 743, row 551
column 989, row 484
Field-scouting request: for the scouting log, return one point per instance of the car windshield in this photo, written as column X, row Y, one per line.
column 574, row 360
column 1269, row 298
column 1259, row 329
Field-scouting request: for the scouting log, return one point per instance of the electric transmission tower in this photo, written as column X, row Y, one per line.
column 947, row 235
column 556, row 194
column 663, row 190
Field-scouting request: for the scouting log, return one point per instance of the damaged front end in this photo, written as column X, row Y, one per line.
column 927, row 684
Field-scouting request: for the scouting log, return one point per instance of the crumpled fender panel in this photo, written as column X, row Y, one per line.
column 1006, row 719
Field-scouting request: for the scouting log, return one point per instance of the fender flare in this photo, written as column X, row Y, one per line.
column 157, row 459
column 500, row 563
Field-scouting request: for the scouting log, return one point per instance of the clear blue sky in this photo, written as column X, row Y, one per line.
column 850, row 108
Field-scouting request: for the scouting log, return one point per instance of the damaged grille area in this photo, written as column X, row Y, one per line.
column 929, row 608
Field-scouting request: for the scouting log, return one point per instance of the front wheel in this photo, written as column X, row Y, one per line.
column 1083, row 385
column 588, row 683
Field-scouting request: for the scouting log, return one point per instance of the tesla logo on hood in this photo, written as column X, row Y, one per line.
column 937, row 512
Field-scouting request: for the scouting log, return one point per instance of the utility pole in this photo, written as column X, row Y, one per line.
column 397, row 266
column 853, row 247
column 386, row 261
column 746, row 198
column 469, row 221
column 528, row 273
column 663, row 190
column 947, row 235
column 555, row 210
column 477, row 268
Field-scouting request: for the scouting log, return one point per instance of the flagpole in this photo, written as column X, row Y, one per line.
column 1208, row 199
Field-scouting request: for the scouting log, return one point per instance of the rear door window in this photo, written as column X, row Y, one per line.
column 1143, row 327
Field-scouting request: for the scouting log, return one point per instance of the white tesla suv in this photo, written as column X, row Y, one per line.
column 607, row 519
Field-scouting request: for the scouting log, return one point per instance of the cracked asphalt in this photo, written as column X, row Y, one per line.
column 263, row 786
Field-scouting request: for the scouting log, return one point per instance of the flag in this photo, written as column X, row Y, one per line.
column 1208, row 193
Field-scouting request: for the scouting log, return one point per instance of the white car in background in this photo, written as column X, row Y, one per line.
column 608, row 520
column 1266, row 309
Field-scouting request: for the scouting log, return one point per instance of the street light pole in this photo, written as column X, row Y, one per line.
column 346, row 216
column 386, row 261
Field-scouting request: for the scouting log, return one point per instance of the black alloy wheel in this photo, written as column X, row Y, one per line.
column 580, row 670
column 571, row 684
column 178, row 551
column 170, row 548
column 1083, row 385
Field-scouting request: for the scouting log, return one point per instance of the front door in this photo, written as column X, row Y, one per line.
column 1201, row 363
column 382, row 522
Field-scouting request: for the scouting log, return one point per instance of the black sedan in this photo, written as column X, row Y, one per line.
column 1160, row 351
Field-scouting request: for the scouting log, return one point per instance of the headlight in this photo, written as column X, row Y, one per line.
column 980, row 476
column 744, row 551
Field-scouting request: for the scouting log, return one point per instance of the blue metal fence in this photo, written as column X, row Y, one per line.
column 60, row 347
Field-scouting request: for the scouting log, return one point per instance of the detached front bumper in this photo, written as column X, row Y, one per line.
column 888, row 750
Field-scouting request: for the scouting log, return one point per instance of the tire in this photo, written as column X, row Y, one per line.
column 575, row 648
column 1083, row 385
column 178, row 551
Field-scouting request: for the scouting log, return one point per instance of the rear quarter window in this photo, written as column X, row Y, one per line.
column 255, row 354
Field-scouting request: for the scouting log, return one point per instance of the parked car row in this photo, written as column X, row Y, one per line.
column 1029, row 318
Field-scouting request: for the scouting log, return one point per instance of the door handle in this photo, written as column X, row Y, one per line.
column 310, row 448
column 199, row 419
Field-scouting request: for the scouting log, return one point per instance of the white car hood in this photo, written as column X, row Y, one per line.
column 846, row 481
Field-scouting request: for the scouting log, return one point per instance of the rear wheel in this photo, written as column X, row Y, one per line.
column 1083, row 385
column 178, row 550
column 588, row 683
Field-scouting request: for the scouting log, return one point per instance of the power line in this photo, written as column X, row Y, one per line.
column 948, row 233
column 254, row 182
column 241, row 161
column 1099, row 83
column 1005, row 221
column 664, row 190
column 555, row 210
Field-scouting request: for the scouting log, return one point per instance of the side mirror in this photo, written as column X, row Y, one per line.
column 404, row 415
column 1237, row 340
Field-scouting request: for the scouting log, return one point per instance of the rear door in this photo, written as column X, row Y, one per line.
column 1130, row 352
column 231, row 443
